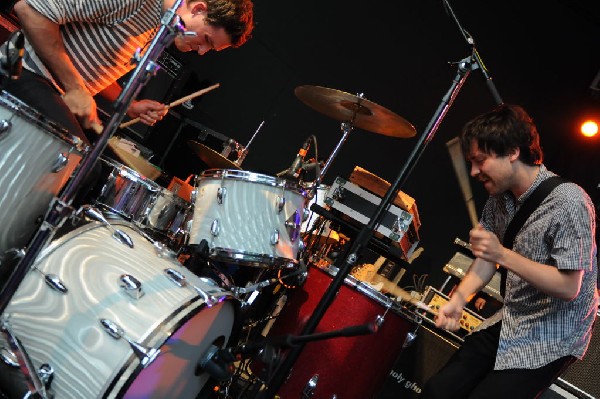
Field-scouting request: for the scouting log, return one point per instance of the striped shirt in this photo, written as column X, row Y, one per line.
column 100, row 36
column 538, row 328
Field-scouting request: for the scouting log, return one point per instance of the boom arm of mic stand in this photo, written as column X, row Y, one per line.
column 358, row 245
column 475, row 54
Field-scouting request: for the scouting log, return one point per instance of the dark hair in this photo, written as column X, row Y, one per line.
column 235, row 16
column 503, row 129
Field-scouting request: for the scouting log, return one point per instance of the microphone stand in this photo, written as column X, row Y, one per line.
column 170, row 27
column 346, row 263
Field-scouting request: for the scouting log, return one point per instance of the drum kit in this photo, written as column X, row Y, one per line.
column 146, row 289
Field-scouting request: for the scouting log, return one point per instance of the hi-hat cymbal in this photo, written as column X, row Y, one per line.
column 344, row 107
column 212, row 158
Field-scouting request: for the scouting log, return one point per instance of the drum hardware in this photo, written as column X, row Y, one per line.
column 34, row 382
column 145, row 355
column 11, row 63
column 311, row 385
column 117, row 234
column 206, row 296
column 244, row 150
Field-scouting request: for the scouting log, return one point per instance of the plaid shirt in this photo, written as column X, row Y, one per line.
column 538, row 328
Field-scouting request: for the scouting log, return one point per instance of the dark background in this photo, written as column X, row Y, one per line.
column 542, row 55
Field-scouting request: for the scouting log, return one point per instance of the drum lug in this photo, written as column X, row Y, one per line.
column 131, row 285
column 221, row 194
column 54, row 282
column 309, row 388
column 293, row 225
column 118, row 235
column 182, row 282
column 5, row 126
column 305, row 214
column 60, row 163
column 215, row 228
column 145, row 355
column 46, row 374
column 275, row 237
column 279, row 203
column 9, row 358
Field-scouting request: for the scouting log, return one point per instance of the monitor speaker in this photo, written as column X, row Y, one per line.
column 581, row 378
column 418, row 362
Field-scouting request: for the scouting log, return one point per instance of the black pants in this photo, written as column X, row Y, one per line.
column 40, row 95
column 470, row 373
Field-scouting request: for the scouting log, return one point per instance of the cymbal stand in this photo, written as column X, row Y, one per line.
column 351, row 256
column 60, row 208
column 346, row 127
column 242, row 154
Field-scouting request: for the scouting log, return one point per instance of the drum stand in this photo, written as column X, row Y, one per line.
column 60, row 209
column 358, row 245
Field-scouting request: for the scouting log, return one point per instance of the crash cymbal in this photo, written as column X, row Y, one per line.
column 132, row 161
column 344, row 106
column 212, row 158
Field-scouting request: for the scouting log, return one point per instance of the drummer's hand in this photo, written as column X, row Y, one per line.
column 149, row 111
column 83, row 106
column 448, row 316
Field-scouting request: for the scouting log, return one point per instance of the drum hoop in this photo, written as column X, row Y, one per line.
column 372, row 294
column 22, row 109
column 252, row 259
column 126, row 171
column 258, row 178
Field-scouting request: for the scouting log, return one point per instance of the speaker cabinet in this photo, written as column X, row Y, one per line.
column 424, row 357
column 581, row 379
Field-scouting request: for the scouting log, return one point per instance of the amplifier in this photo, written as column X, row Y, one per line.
column 435, row 299
column 359, row 204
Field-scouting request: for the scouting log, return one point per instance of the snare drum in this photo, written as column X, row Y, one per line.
column 37, row 158
column 349, row 367
column 248, row 218
column 129, row 323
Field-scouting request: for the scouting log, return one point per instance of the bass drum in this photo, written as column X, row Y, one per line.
column 116, row 321
column 348, row 367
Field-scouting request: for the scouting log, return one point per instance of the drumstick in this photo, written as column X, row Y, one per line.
column 460, row 169
column 398, row 292
column 175, row 103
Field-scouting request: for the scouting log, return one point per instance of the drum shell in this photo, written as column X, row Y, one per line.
column 349, row 367
column 29, row 150
column 247, row 217
column 126, row 192
column 64, row 331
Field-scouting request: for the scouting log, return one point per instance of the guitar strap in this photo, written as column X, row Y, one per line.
column 529, row 205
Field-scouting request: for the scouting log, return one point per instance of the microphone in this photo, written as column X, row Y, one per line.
column 295, row 169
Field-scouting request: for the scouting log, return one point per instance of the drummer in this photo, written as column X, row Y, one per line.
column 75, row 50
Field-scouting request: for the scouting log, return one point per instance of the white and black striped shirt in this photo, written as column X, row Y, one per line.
column 538, row 328
column 100, row 36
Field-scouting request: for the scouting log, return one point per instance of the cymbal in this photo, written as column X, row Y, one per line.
column 136, row 163
column 212, row 158
column 343, row 107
